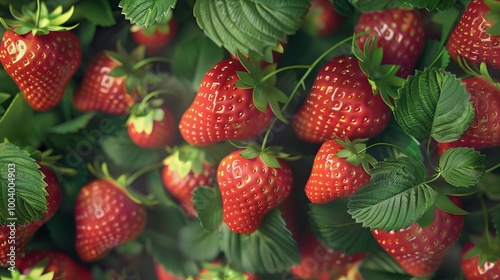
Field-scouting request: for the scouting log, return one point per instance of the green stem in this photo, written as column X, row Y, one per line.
column 302, row 81
column 434, row 178
column 143, row 171
column 486, row 219
column 38, row 12
column 382, row 144
column 492, row 168
column 151, row 95
column 436, row 58
column 277, row 71
column 149, row 60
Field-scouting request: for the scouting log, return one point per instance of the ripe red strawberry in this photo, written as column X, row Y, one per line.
column 322, row 19
column 63, row 266
column 471, row 268
column 250, row 188
column 318, row 261
column 152, row 128
column 25, row 233
column 333, row 177
column 484, row 131
column 470, row 39
column 185, row 170
column 105, row 217
column 420, row 251
column 154, row 37
column 400, row 33
column 221, row 111
column 341, row 104
column 163, row 274
column 41, row 64
column 102, row 92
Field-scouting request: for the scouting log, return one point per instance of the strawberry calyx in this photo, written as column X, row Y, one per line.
column 186, row 158
column 355, row 153
column 382, row 77
column 143, row 116
column 36, row 273
column 486, row 249
column 494, row 16
column 46, row 158
column 38, row 22
column 269, row 155
column 482, row 72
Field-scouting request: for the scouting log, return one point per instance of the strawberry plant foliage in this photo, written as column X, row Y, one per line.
column 434, row 103
column 22, row 180
column 146, row 12
column 462, row 167
column 265, row 24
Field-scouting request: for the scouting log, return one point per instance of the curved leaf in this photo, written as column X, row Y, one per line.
column 396, row 196
column 462, row 167
column 434, row 103
column 208, row 204
column 146, row 12
column 245, row 26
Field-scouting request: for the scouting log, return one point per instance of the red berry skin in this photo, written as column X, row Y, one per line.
column 163, row 133
column 484, row 131
column 420, row 251
column 41, row 65
column 250, row 189
column 25, row 233
column 332, row 177
column 181, row 188
column 63, row 266
column 470, row 40
column 163, row 274
column 322, row 19
column 155, row 37
column 105, row 217
column 472, row 270
column 400, row 33
column 318, row 261
column 100, row 92
column 220, row 111
column 341, row 104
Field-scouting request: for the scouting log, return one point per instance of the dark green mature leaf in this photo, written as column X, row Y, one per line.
column 246, row 26
column 489, row 185
column 431, row 5
column 396, row 196
column 135, row 157
column 401, row 144
column 365, row 6
column 271, row 249
column 337, row 229
column 198, row 244
column 380, row 265
column 444, row 203
column 208, row 204
column 462, row 167
column 99, row 12
column 434, row 103
column 22, row 188
column 73, row 125
column 146, row 12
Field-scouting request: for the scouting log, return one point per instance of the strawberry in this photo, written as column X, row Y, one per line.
column 322, row 19
column 42, row 58
column 420, row 251
column 156, row 36
column 471, row 267
column 24, row 233
column 484, row 131
column 333, row 177
column 250, row 188
column 471, row 40
column 318, row 261
column 63, row 266
column 105, row 217
column 152, row 127
column 221, row 111
column 341, row 104
column 400, row 33
column 185, row 170
column 164, row 274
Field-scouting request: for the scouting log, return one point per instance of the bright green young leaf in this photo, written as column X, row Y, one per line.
column 396, row 196
column 444, row 203
column 99, row 12
column 434, row 103
column 337, row 229
column 245, row 26
column 208, row 204
column 462, row 167
column 22, row 188
column 271, row 249
column 431, row 5
column 135, row 157
column 198, row 244
column 146, row 12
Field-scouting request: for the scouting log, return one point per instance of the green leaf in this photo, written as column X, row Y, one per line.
column 462, row 167
column 439, row 5
column 264, row 25
column 99, row 12
column 73, row 125
column 135, row 157
column 198, row 244
column 401, row 144
column 208, row 204
column 22, row 188
column 271, row 249
column 193, row 57
column 146, row 12
column 444, row 203
column 489, row 185
column 434, row 103
column 493, row 15
column 396, row 196
column 337, row 229
column 381, row 265
column 366, row 6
